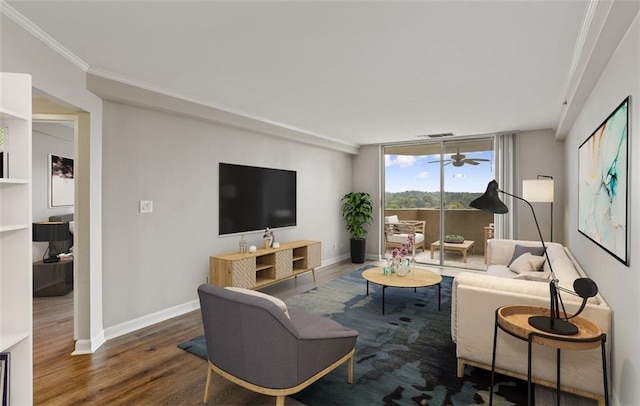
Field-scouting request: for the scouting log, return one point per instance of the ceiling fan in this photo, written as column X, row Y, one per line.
column 459, row 159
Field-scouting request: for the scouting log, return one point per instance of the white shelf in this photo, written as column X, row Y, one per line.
column 11, row 115
column 14, row 181
column 9, row 340
column 13, row 227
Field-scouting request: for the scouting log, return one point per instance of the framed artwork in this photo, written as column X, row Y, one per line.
column 604, row 182
column 4, row 377
column 61, row 183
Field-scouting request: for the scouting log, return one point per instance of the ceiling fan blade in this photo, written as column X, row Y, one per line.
column 471, row 162
column 444, row 160
column 480, row 159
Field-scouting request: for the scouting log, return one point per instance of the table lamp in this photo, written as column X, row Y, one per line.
column 583, row 287
column 51, row 231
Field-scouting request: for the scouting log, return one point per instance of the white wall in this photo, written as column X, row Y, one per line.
column 538, row 153
column 619, row 284
column 156, row 261
column 48, row 138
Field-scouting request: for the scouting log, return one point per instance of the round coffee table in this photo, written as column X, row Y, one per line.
column 417, row 278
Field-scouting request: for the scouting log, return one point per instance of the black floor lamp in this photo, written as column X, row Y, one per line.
column 583, row 287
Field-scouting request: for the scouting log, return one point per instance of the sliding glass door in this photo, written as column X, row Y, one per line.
column 434, row 182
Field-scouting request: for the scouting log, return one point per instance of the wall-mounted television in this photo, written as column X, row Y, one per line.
column 253, row 198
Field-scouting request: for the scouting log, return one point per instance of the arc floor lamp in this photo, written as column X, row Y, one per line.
column 583, row 287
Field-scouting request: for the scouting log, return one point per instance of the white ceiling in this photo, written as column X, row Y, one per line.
column 357, row 71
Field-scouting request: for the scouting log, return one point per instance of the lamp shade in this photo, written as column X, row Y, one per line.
column 538, row 190
column 490, row 201
column 51, row 231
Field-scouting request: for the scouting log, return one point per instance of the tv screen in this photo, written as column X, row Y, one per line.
column 253, row 198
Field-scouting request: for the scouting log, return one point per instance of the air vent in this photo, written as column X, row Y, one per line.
column 435, row 135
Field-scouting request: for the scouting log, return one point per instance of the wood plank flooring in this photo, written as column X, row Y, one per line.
column 141, row 368
column 146, row 367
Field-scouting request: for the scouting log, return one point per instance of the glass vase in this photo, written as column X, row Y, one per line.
column 403, row 267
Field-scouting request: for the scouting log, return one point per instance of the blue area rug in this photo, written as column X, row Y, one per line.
column 405, row 357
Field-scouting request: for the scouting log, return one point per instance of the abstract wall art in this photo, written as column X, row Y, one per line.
column 61, row 181
column 603, row 184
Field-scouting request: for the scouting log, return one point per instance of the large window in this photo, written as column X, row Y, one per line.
column 434, row 182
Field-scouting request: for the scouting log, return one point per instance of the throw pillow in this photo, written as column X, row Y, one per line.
column 526, row 263
column 521, row 249
column 282, row 305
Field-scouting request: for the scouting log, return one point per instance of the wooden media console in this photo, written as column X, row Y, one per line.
column 254, row 270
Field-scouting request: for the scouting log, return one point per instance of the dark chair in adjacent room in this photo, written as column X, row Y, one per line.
column 254, row 341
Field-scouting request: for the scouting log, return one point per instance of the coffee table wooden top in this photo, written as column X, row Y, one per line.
column 417, row 278
column 466, row 244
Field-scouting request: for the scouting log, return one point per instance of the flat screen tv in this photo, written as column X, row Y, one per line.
column 253, row 198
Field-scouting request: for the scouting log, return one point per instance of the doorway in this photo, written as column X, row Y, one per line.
column 53, row 139
column 434, row 182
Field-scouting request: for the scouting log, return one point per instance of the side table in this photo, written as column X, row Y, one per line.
column 52, row 278
column 514, row 320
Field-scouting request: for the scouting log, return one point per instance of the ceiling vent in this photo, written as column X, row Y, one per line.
column 435, row 135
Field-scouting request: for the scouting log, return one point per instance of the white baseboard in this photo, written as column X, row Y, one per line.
column 334, row 260
column 150, row 319
column 84, row 347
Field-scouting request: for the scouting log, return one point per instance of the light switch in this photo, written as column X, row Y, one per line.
column 146, row 206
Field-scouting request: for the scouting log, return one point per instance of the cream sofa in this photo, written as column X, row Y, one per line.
column 476, row 296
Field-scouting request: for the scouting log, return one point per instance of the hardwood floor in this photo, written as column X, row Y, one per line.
column 141, row 368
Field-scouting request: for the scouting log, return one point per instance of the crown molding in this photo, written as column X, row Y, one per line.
column 127, row 91
column 604, row 26
column 37, row 32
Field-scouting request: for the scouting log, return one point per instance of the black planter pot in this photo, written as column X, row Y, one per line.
column 358, row 251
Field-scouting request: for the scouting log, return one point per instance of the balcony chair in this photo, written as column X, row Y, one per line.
column 396, row 232
column 254, row 341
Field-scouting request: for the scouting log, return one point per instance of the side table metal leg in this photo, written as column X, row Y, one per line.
column 529, row 343
column 439, row 295
column 558, row 376
column 493, row 355
column 367, row 287
column 604, row 371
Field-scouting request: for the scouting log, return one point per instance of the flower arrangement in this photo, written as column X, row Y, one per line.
column 399, row 256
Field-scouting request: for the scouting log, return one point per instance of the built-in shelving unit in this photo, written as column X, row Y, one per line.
column 265, row 266
column 16, row 320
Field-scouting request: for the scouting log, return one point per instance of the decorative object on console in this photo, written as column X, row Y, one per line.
column 603, row 174
column 253, row 249
column 242, row 245
column 583, row 287
column 267, row 237
column 540, row 190
column 357, row 211
column 61, row 181
column 51, row 231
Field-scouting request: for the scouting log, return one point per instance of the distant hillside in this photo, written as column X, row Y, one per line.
column 426, row 200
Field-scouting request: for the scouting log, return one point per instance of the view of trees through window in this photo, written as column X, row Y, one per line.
column 413, row 181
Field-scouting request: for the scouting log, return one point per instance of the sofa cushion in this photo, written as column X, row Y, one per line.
column 402, row 238
column 282, row 305
column 535, row 276
column 527, row 263
column 520, row 249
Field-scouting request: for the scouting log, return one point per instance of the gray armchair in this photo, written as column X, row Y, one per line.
column 253, row 343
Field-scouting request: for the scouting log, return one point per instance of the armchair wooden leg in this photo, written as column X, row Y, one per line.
column 350, row 370
column 206, row 385
column 280, row 401
column 460, row 368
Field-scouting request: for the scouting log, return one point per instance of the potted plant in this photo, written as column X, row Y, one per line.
column 357, row 211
